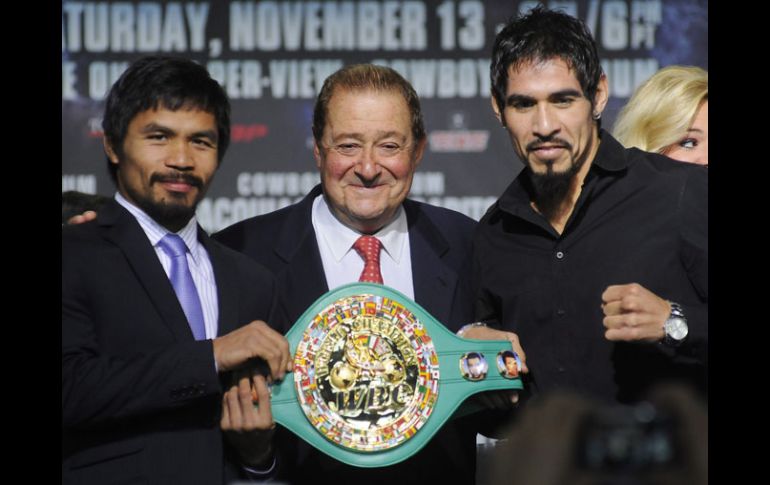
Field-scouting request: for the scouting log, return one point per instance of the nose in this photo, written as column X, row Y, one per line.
column 180, row 156
column 544, row 122
column 367, row 167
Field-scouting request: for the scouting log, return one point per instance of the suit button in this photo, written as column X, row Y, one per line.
column 560, row 255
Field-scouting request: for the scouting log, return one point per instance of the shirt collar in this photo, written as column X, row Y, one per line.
column 155, row 232
column 611, row 155
column 339, row 238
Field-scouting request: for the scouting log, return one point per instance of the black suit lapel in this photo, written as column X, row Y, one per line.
column 125, row 232
column 303, row 280
column 434, row 282
column 227, row 286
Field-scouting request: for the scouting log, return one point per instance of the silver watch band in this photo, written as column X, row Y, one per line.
column 675, row 327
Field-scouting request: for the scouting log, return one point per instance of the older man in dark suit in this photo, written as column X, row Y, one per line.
column 154, row 311
column 358, row 225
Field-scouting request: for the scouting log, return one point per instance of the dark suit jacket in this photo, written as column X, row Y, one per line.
column 440, row 243
column 141, row 398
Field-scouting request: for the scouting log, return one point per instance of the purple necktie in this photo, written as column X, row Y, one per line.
column 184, row 286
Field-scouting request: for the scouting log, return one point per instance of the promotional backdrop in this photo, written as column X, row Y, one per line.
column 273, row 56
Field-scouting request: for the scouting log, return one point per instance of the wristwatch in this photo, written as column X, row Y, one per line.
column 675, row 327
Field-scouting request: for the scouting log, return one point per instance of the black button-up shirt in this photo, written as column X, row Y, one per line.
column 640, row 218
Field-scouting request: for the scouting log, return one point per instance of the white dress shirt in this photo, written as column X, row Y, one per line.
column 342, row 264
column 197, row 259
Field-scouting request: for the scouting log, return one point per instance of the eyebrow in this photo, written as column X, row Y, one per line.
column 210, row 134
column 694, row 130
column 378, row 136
column 552, row 96
column 150, row 127
column 153, row 127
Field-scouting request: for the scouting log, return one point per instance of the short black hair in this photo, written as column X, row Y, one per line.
column 539, row 35
column 169, row 82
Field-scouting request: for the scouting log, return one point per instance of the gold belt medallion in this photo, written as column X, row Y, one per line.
column 366, row 373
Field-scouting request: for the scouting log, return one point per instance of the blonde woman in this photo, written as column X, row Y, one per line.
column 668, row 114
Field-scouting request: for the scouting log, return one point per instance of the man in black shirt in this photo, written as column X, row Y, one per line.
column 596, row 256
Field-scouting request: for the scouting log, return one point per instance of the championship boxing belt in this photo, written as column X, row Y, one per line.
column 376, row 376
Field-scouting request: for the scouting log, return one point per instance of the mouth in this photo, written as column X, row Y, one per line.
column 547, row 151
column 366, row 187
column 181, row 184
column 177, row 186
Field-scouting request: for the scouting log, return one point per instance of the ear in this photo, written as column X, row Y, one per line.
column 109, row 150
column 419, row 151
column 317, row 153
column 602, row 95
column 496, row 109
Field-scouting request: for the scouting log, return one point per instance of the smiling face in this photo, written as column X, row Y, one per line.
column 694, row 145
column 548, row 117
column 510, row 366
column 166, row 163
column 367, row 156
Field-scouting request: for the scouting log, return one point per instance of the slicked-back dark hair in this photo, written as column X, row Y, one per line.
column 540, row 35
column 365, row 77
column 163, row 82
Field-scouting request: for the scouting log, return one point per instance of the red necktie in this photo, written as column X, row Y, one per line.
column 368, row 247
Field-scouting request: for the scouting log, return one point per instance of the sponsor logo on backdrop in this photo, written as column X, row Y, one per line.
column 458, row 138
column 245, row 133
column 95, row 128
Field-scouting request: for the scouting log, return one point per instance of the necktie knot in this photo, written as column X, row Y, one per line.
column 173, row 245
column 368, row 247
column 184, row 286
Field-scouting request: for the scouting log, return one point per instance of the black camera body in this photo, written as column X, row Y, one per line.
column 628, row 439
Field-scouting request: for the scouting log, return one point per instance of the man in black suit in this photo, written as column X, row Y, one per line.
column 148, row 328
column 369, row 139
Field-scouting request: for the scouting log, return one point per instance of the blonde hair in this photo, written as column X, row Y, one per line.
column 662, row 109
